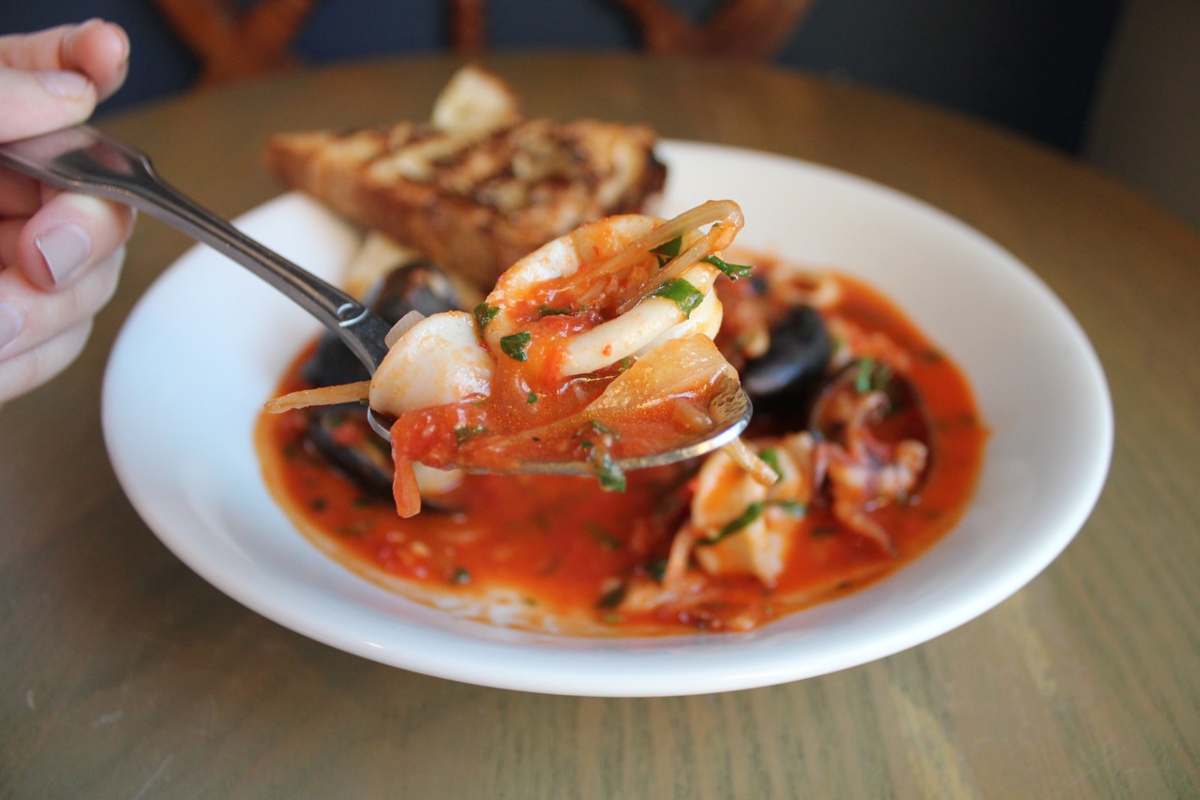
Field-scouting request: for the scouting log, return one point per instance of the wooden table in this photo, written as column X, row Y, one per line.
column 123, row 674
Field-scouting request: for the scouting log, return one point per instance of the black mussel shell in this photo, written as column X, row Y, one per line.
column 787, row 376
column 366, row 463
column 416, row 286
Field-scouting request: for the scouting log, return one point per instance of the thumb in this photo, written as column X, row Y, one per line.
column 40, row 101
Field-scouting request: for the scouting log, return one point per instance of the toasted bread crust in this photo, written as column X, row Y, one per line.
column 474, row 203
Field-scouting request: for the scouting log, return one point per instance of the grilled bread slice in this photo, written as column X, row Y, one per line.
column 479, row 187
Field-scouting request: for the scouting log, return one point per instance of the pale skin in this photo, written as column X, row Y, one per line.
column 60, row 253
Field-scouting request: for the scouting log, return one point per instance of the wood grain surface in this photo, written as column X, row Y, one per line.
column 123, row 674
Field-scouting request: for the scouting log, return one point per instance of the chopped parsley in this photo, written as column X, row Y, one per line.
column 752, row 512
column 612, row 598
column 514, row 345
column 871, row 376
column 625, row 363
column 771, row 456
column 587, row 444
column 790, row 506
column 485, row 314
column 603, row 536
column 668, row 250
column 552, row 311
column 601, row 428
column 734, row 271
column 460, row 575
column 682, row 293
column 465, row 433
column 531, row 398
column 657, row 569
column 608, row 471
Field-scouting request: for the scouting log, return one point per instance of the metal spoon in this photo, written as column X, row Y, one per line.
column 87, row 161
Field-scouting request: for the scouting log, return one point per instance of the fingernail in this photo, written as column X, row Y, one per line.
column 124, row 37
column 10, row 324
column 63, row 83
column 65, row 249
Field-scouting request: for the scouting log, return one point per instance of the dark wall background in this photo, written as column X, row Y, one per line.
column 1031, row 65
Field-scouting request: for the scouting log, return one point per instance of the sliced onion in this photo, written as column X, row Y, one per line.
column 402, row 326
column 678, row 366
column 323, row 396
column 717, row 237
column 748, row 460
column 703, row 214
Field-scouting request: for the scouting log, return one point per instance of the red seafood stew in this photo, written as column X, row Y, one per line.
column 567, row 548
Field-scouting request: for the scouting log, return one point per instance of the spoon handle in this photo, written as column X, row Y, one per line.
column 85, row 160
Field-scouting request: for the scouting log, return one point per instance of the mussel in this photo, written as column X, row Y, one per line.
column 416, row 286
column 785, row 379
column 363, row 458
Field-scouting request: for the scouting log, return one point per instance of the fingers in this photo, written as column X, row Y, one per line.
column 30, row 317
column 37, row 102
column 68, row 234
column 19, row 196
column 34, row 367
column 98, row 49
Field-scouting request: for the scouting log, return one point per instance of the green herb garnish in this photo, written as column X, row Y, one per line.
column 684, row 295
column 657, row 569
column 612, row 598
column 603, row 536
column 625, row 363
column 465, row 433
column 734, row 271
column 668, row 250
column 552, row 311
column 485, row 314
column 587, row 444
column 601, row 428
column 871, row 376
column 771, row 456
column 790, row 506
column 531, row 398
column 514, row 345
column 354, row 528
column 460, row 576
column 752, row 512
column 608, row 472
column 862, row 379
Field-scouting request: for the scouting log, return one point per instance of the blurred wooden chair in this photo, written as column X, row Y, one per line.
column 232, row 44
column 738, row 28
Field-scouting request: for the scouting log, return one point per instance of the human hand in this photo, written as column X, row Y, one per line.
column 60, row 253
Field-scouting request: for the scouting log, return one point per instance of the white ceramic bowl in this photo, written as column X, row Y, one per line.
column 205, row 346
